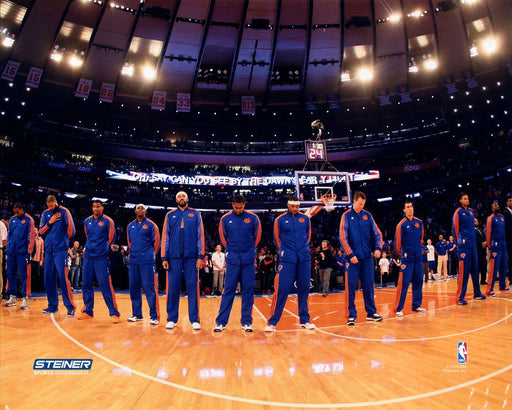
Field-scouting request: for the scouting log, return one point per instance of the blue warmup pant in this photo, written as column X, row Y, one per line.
column 362, row 270
column 15, row 264
column 287, row 274
column 246, row 275
column 410, row 272
column 468, row 264
column 145, row 276
column 100, row 267
column 497, row 264
column 179, row 267
column 55, row 263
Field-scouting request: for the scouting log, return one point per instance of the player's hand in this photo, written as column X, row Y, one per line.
column 377, row 254
column 354, row 260
column 54, row 218
column 165, row 265
column 199, row 263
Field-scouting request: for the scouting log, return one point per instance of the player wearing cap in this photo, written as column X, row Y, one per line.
column 408, row 240
column 57, row 228
column 292, row 233
column 100, row 232
column 20, row 244
column 182, row 253
column 359, row 235
column 240, row 233
column 143, row 242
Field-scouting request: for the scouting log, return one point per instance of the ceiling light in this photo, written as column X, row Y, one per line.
column 56, row 57
column 430, row 64
column 490, row 45
column 127, row 70
column 149, row 72
column 394, row 18
column 75, row 61
column 8, row 42
column 345, row 76
column 365, row 74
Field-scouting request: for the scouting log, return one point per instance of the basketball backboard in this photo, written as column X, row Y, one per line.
column 311, row 185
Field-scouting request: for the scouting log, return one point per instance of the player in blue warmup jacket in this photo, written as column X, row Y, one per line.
column 240, row 233
column 292, row 233
column 57, row 228
column 20, row 244
column 359, row 236
column 143, row 243
column 182, row 255
column 497, row 244
column 100, row 232
column 463, row 230
column 408, row 240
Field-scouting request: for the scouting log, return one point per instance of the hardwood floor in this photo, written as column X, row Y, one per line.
column 400, row 363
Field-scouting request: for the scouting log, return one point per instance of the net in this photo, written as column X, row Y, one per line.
column 328, row 201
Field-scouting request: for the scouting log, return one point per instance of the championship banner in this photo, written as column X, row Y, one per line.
column 470, row 79
column 34, row 77
column 404, row 93
column 383, row 96
column 248, row 105
column 333, row 102
column 158, row 100
column 84, row 88
column 311, row 102
column 183, row 102
column 107, row 92
column 10, row 70
column 449, row 83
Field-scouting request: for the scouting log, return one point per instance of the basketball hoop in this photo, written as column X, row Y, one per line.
column 328, row 201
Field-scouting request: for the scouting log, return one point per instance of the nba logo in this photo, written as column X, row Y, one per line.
column 462, row 352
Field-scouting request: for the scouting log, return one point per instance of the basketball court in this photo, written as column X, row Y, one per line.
column 407, row 362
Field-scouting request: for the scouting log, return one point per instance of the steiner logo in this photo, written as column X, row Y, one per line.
column 62, row 364
column 462, row 352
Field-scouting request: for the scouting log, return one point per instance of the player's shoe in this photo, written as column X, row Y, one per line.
column 481, row 297
column 134, row 319
column 115, row 319
column 375, row 318
column 11, row 301
column 491, row 294
column 170, row 325
column 219, row 328
column 270, row 328
column 24, row 305
column 308, row 326
column 196, row 326
column 399, row 314
column 71, row 313
column 247, row 328
column 420, row 310
column 48, row 311
column 351, row 321
column 505, row 290
column 153, row 322
column 84, row 316
column 462, row 303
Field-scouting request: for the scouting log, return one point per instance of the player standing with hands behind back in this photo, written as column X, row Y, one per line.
column 359, row 234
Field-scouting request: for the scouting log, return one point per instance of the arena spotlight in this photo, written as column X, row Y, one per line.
column 394, row 18
column 345, row 76
column 75, row 61
column 149, row 72
column 430, row 64
column 365, row 74
column 490, row 45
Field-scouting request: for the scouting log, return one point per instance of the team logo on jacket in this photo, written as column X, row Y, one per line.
column 471, row 213
column 247, row 220
column 145, row 226
column 347, row 265
column 301, row 220
column 502, row 219
column 462, row 255
column 403, row 267
column 280, row 267
column 191, row 214
column 417, row 225
column 365, row 217
column 101, row 223
column 23, row 221
column 494, row 254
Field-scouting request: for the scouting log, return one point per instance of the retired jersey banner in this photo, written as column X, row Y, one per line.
column 10, row 70
column 383, row 96
column 470, row 79
column 248, row 105
column 83, row 88
column 404, row 93
column 183, row 102
column 34, row 77
column 449, row 83
column 158, row 100
column 107, row 92
column 333, row 102
column 311, row 102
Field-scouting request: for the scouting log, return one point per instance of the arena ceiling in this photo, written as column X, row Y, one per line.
column 279, row 51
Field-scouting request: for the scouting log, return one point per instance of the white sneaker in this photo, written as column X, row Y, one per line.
column 196, row 326
column 420, row 310
column 247, row 328
column 170, row 325
column 399, row 314
column 219, row 328
column 134, row 319
column 153, row 322
column 270, row 328
column 309, row 326
column 24, row 305
column 11, row 301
